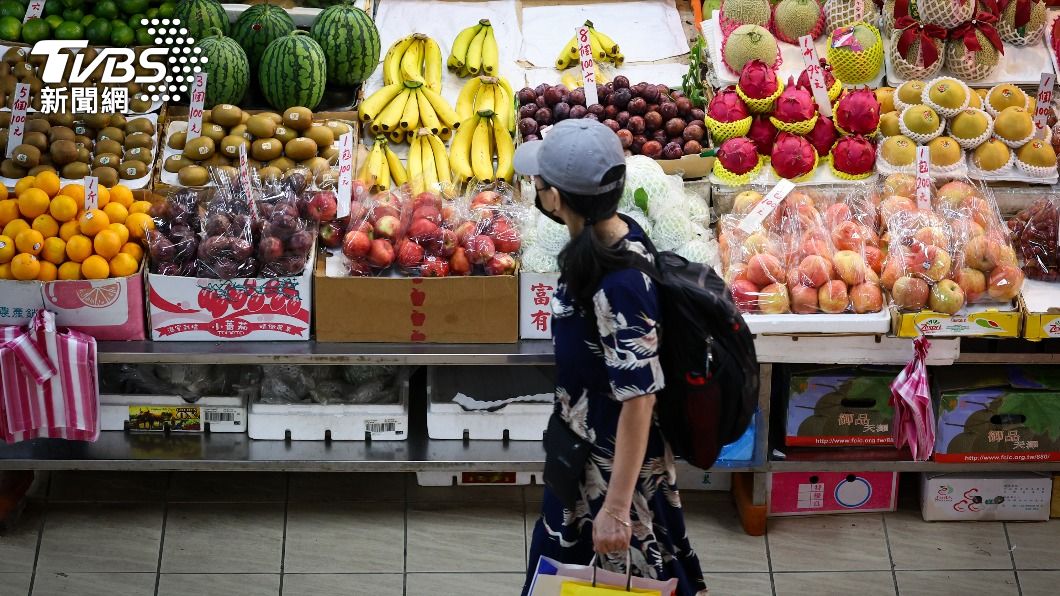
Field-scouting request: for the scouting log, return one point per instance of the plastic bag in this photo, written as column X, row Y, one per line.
column 1034, row 231
column 987, row 269
column 226, row 250
column 190, row 381
column 490, row 236
column 377, row 224
column 331, row 385
column 283, row 237
column 174, row 243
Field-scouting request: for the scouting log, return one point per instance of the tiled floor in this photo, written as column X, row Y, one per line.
column 115, row 534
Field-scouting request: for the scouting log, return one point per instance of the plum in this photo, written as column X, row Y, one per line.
column 161, row 248
column 653, row 120
column 577, row 97
column 638, row 89
column 668, row 109
column 660, row 136
column 610, row 111
column 217, row 224
column 578, row 111
column 533, row 137
column 675, row 126
column 242, row 249
column 650, row 94
column 592, row 116
column 528, row 126
column 528, row 110
column 527, row 95
column 301, row 242
column 596, row 109
column 561, row 111
column 692, row 147
column 673, row 150
column 540, row 89
column 620, row 98
column 622, row 118
column 553, row 95
column 652, row 149
column 638, row 143
column 693, row 132
column 684, row 106
column 540, row 102
column 697, row 114
column 626, row 137
column 637, row 106
column 636, row 125
column 621, row 82
column 613, row 125
column 543, row 116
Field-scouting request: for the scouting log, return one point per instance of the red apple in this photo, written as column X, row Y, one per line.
column 815, row 242
column 322, row 206
column 836, row 214
column 356, row 245
column 501, row 264
column 381, row 255
column 952, row 194
column 972, row 282
column 444, row 245
column 903, row 185
column 893, row 205
column 874, row 258
column 765, row 269
column 866, row 298
column 464, row 231
column 745, row 201
column 458, row 263
column 486, row 197
column 480, row 249
column 409, row 254
column 434, row 267
column 946, row 297
column 832, row 297
column 429, row 213
column 814, row 271
column 736, row 272
column 910, row 293
column 803, row 300
column 331, row 234
column 931, row 235
column 773, row 299
column 387, row 227
column 756, row 243
column 849, row 267
column 383, row 210
column 423, row 230
column 745, row 294
column 1005, row 283
column 505, row 236
column 450, row 215
column 426, row 199
column 928, row 261
column 847, row 236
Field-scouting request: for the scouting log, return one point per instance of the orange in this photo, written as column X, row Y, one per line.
column 138, row 224
column 116, row 212
column 23, row 184
column 140, row 207
column 134, row 250
column 7, row 249
column 76, row 192
column 79, row 248
column 70, row 270
column 94, row 221
column 5, row 271
column 95, row 267
column 69, row 229
column 54, row 250
column 120, row 230
column 63, row 208
column 33, row 202
column 29, row 241
column 3, row 192
column 46, row 225
column 123, row 265
column 8, row 210
column 14, row 227
column 121, row 195
column 48, row 182
column 107, row 244
column 104, row 196
column 48, row 271
column 25, row 266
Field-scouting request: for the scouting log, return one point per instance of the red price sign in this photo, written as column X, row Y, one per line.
column 34, row 10
column 17, row 128
column 345, row 174
column 813, row 67
column 923, row 178
column 1044, row 105
column 198, row 101
column 585, row 54
column 91, row 193
column 766, row 206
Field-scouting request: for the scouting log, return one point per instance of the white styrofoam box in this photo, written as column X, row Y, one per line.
column 535, row 304
column 876, row 322
column 985, row 497
column 477, row 478
column 447, row 419
column 158, row 412
column 345, row 422
column 690, row 477
column 851, row 349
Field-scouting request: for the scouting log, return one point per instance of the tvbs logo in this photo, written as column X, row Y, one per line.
column 116, row 66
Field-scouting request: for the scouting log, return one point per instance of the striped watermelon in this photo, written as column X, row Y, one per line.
column 200, row 17
column 293, row 72
column 257, row 27
column 226, row 68
column 350, row 41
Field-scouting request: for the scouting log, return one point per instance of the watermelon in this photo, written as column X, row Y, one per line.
column 257, row 27
column 226, row 68
column 293, row 72
column 200, row 17
column 350, row 41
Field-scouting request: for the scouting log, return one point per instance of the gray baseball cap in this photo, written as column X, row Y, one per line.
column 574, row 156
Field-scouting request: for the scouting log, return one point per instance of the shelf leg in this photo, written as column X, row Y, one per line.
column 13, row 488
column 752, row 514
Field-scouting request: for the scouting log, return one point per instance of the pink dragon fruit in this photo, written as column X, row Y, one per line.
column 727, row 106
column 795, row 104
column 858, row 112
column 738, row 155
column 757, row 80
column 762, row 133
column 854, row 155
column 829, row 78
column 823, row 135
column 793, row 156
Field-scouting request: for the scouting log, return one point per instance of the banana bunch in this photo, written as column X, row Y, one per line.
column 406, row 106
column 570, row 81
column 492, row 94
column 382, row 168
column 428, row 163
column 474, row 51
column 414, row 58
column 604, row 50
column 479, row 139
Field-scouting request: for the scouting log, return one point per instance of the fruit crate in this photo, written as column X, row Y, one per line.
column 485, row 386
column 975, row 320
column 1042, row 303
column 170, row 413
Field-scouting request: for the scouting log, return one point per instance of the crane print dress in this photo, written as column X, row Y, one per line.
column 597, row 369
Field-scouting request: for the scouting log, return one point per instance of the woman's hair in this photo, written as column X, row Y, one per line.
column 585, row 260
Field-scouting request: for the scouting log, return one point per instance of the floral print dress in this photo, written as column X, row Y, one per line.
column 597, row 369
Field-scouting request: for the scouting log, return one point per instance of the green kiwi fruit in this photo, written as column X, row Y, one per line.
column 176, row 163
column 110, row 160
column 217, row 160
column 63, row 119
column 317, row 165
column 230, row 172
column 83, row 141
column 239, row 130
column 177, row 140
column 5, row 119
column 118, row 120
column 107, row 176
column 230, row 145
column 83, row 154
column 278, row 119
column 10, row 169
column 26, row 156
column 140, row 154
column 46, row 159
column 214, row 131
column 111, row 132
column 139, row 139
column 227, row 115
column 300, row 149
column 331, row 154
column 109, row 146
column 140, row 125
column 37, row 139
column 3, row 141
column 321, row 135
column 282, row 164
column 60, row 133
column 266, row 149
column 132, row 169
column 243, row 119
column 41, row 168
column 16, row 54
column 23, row 71
column 285, row 134
column 193, row 176
column 270, row 173
column 37, row 125
column 76, row 170
column 254, row 164
column 63, row 152
column 338, row 128
column 261, row 126
column 97, row 121
column 139, row 104
column 298, row 118
column 206, row 116
column 199, row 149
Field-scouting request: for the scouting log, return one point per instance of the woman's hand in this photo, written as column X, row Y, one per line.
column 610, row 535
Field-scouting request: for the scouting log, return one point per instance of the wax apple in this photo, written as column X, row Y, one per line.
column 866, row 298
column 972, row 283
column 832, row 297
column 773, row 299
column 910, row 293
column 946, row 297
column 764, row 269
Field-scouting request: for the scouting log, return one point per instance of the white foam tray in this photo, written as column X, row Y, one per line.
column 877, row 322
column 344, row 422
column 229, row 413
column 1041, row 296
column 448, row 420
column 1019, row 66
column 851, row 349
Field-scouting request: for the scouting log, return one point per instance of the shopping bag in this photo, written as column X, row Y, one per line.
column 914, row 419
column 550, row 575
column 49, row 382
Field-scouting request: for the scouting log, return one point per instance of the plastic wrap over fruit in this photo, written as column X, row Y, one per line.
column 1036, row 238
column 174, row 243
column 226, row 249
column 190, row 381
column 491, row 237
column 332, row 385
column 283, row 235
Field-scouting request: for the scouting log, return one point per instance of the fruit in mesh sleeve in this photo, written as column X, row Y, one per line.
column 749, row 42
column 794, row 18
column 745, row 12
column 795, row 104
column 1019, row 26
column 854, row 155
column 858, row 112
column 757, row 80
column 793, row 156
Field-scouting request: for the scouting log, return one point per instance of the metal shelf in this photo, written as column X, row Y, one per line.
column 909, row 466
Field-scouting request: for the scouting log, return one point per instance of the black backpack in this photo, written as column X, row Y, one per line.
column 708, row 358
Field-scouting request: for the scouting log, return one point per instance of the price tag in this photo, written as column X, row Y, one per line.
column 816, row 72
column 244, row 174
column 34, row 10
column 585, row 53
column 766, row 206
column 923, row 178
column 198, row 100
column 1045, row 105
column 91, row 193
column 17, row 128
column 345, row 174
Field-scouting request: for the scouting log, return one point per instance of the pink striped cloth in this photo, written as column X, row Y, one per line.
column 914, row 418
column 49, row 382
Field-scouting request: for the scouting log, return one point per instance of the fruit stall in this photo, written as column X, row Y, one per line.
column 294, row 238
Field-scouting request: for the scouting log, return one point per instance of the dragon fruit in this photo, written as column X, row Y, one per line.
column 738, row 155
column 795, row 104
column 793, row 156
column 823, row 135
column 727, row 106
column 757, row 80
column 854, row 155
column 858, row 112
column 829, row 78
column 762, row 134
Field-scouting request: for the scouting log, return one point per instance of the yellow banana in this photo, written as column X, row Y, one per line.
column 428, row 117
column 563, row 62
column 412, row 61
column 569, row 81
column 410, row 116
column 384, row 171
column 481, row 155
column 619, row 59
column 502, row 105
column 490, row 59
column 397, row 171
column 392, row 62
column 390, row 117
column 463, row 39
column 432, row 64
column 430, row 169
column 598, row 50
column 375, row 163
column 446, row 134
column 441, row 161
column 441, row 107
column 474, row 53
column 484, row 100
column 376, row 102
column 572, row 47
column 465, row 102
column 460, row 149
column 504, row 148
column 396, row 136
column 415, row 161
column 608, row 44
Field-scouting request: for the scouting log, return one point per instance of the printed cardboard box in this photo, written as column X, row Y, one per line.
column 107, row 309
column 840, row 407
column 997, row 413
column 535, row 304
column 813, row 493
column 985, row 497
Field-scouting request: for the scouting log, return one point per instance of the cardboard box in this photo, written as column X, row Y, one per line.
column 475, row 309
column 242, row 309
column 170, row 413
column 106, row 309
column 840, row 407
column 535, row 304
column 1042, row 302
column 995, row 414
column 985, row 497
column 976, row 320
column 813, row 493
column 688, row 167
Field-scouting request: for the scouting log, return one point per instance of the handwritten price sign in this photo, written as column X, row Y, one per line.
column 17, row 129
column 816, row 73
column 345, row 174
column 585, row 54
column 244, row 174
column 34, row 10
column 198, row 100
column 766, row 206
column 923, row 178
column 1045, row 105
column 91, row 193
